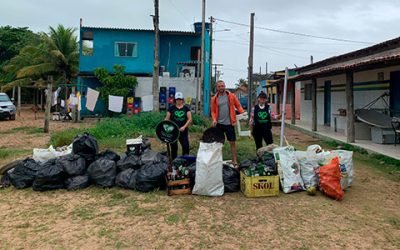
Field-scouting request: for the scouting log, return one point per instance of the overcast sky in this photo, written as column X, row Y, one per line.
column 368, row 21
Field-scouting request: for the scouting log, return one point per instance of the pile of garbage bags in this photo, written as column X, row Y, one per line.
column 329, row 171
column 85, row 166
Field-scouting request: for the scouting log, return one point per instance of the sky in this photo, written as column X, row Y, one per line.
column 362, row 22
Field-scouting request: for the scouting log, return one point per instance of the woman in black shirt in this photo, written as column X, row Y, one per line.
column 181, row 115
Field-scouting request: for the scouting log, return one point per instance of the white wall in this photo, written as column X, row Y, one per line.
column 185, row 85
column 338, row 98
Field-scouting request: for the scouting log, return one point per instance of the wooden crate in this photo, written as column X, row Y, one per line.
column 177, row 184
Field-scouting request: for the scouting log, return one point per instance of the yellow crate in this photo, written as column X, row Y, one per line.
column 259, row 186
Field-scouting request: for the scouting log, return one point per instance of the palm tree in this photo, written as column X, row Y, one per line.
column 57, row 55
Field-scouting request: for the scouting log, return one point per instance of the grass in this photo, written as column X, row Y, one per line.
column 9, row 152
column 24, row 129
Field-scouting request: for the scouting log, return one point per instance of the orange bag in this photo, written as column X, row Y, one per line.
column 329, row 181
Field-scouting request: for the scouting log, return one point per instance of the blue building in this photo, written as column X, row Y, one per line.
column 134, row 48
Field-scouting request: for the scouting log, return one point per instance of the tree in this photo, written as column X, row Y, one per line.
column 241, row 83
column 57, row 54
column 117, row 84
column 12, row 40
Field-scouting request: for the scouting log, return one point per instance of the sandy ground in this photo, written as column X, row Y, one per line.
column 95, row 218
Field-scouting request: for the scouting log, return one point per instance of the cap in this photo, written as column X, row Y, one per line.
column 178, row 95
column 262, row 95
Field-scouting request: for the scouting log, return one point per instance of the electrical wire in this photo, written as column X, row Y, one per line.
column 295, row 33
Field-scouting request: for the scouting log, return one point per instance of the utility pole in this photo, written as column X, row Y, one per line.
column 156, row 62
column 48, row 103
column 211, row 49
column 203, row 30
column 250, row 69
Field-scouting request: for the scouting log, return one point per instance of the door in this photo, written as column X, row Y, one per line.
column 395, row 93
column 327, row 103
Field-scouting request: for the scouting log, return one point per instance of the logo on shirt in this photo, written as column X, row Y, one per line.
column 179, row 113
column 262, row 115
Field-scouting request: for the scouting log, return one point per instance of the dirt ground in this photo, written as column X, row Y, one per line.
column 95, row 218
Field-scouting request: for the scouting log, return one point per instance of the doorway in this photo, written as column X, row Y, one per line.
column 394, row 104
column 327, row 103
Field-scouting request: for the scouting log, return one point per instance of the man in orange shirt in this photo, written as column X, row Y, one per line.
column 223, row 112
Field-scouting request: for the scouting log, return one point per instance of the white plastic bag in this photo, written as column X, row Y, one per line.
column 288, row 169
column 308, row 161
column 44, row 154
column 209, row 170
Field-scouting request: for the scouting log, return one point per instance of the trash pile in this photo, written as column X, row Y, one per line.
column 329, row 171
column 84, row 166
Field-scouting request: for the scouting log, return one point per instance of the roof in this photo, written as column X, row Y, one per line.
column 384, row 58
column 377, row 48
column 176, row 32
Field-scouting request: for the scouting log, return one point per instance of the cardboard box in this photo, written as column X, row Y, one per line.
column 259, row 186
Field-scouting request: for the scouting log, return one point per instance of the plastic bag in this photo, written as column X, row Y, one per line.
column 151, row 176
column 109, row 154
column 77, row 182
column 231, row 179
column 150, row 156
column 346, row 166
column 308, row 161
column 50, row 176
column 288, row 169
column 102, row 172
column 73, row 165
column 209, row 180
column 86, row 146
column 330, row 180
column 44, row 154
column 126, row 179
column 24, row 173
column 130, row 161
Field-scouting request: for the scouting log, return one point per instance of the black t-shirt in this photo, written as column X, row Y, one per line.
column 179, row 116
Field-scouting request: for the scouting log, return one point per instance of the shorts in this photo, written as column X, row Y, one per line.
column 228, row 130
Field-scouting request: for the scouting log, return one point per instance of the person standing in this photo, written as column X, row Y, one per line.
column 223, row 113
column 261, row 121
column 180, row 114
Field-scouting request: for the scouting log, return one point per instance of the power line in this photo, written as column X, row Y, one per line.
column 295, row 33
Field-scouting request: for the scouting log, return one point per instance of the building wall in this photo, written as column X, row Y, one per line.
column 174, row 49
column 104, row 51
column 367, row 88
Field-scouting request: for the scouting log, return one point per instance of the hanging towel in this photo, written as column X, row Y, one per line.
column 115, row 103
column 147, row 102
column 92, row 96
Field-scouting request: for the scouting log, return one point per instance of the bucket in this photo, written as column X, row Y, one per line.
column 134, row 146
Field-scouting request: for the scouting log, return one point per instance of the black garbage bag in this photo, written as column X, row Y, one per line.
column 50, row 176
column 77, row 182
column 126, row 179
column 151, row 176
column 24, row 173
column 5, row 179
column 146, row 144
column 86, row 146
column 268, row 159
column 149, row 156
column 73, row 165
column 231, row 178
column 109, row 154
column 102, row 172
column 192, row 174
column 130, row 161
column 211, row 135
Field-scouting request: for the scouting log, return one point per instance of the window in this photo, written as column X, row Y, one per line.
column 308, row 91
column 87, row 43
column 123, row 49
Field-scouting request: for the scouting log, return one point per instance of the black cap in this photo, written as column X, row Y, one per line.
column 262, row 95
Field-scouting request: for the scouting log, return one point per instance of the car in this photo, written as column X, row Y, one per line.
column 7, row 107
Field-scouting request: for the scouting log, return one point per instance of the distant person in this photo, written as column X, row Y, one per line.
column 261, row 121
column 180, row 114
column 223, row 105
